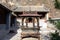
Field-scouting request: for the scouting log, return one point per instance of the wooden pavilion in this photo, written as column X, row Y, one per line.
column 29, row 20
column 28, row 16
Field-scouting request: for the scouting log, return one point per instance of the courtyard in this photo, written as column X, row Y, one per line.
column 28, row 19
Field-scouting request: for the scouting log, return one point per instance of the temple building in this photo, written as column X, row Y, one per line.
column 6, row 21
column 30, row 15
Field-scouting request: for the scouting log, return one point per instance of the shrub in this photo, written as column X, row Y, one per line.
column 57, row 4
column 55, row 36
column 58, row 25
column 51, row 21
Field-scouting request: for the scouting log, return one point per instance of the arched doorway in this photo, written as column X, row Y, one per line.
column 30, row 19
column 30, row 22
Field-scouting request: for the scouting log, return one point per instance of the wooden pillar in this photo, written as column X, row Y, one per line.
column 8, row 21
column 26, row 22
column 33, row 22
column 15, row 21
column 38, row 21
column 22, row 21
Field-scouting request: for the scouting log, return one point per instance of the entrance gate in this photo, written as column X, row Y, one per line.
column 30, row 24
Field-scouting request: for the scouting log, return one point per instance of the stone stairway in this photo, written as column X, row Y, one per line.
column 44, row 34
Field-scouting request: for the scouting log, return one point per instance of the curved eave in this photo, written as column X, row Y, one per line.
column 5, row 8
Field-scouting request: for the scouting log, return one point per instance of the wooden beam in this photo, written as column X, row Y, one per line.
column 14, row 14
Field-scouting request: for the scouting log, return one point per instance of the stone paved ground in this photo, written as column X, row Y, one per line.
column 13, row 36
column 44, row 34
column 16, row 36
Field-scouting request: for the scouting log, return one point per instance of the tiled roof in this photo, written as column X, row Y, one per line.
column 31, row 8
column 31, row 5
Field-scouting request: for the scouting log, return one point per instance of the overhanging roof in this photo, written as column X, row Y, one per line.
column 3, row 7
column 31, row 8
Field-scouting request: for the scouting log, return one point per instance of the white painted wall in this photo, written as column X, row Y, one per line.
column 30, row 25
column 42, row 23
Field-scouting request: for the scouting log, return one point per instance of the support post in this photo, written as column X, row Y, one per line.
column 14, row 27
column 26, row 23
column 22, row 21
column 33, row 23
column 15, row 21
column 37, row 21
column 8, row 21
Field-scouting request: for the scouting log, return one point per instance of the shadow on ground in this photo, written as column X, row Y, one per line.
column 11, row 33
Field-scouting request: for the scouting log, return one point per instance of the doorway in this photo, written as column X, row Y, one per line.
column 30, row 22
column 30, row 19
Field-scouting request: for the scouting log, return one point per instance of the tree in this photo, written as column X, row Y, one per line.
column 55, row 36
column 58, row 25
column 57, row 4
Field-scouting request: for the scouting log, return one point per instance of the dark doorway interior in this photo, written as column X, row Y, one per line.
column 30, row 19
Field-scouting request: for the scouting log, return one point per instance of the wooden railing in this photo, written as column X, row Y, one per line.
column 32, row 28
